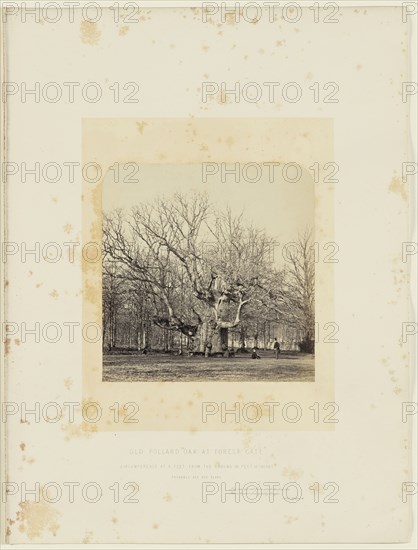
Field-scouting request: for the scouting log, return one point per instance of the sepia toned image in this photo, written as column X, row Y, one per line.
column 208, row 280
column 209, row 264
column 216, row 266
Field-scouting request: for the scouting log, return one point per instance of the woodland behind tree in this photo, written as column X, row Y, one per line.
column 179, row 275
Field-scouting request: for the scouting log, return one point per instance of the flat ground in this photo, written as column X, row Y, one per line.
column 290, row 367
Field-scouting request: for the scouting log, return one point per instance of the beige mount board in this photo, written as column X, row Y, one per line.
column 322, row 455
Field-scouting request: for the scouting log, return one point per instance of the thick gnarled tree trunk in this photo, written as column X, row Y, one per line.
column 211, row 339
column 212, row 335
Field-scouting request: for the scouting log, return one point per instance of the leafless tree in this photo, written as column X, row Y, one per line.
column 297, row 308
column 178, row 239
column 114, row 286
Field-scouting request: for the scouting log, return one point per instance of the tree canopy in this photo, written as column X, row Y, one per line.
column 198, row 271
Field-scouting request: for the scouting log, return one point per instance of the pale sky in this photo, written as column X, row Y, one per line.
column 280, row 207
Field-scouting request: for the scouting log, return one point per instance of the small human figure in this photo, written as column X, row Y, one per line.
column 276, row 347
column 254, row 354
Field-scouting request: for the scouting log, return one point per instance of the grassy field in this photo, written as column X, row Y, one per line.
column 290, row 367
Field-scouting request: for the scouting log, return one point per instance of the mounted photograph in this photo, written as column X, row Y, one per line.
column 208, row 277
column 216, row 266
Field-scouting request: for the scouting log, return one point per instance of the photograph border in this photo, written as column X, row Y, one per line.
column 162, row 405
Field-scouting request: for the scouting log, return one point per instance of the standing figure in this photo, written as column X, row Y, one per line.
column 276, row 348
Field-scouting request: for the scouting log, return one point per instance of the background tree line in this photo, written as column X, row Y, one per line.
column 180, row 275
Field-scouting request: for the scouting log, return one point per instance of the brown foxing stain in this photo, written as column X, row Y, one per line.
column 290, row 519
column 292, row 474
column 68, row 382
column 247, row 437
column 400, row 277
column 39, row 285
column 320, row 489
column 87, row 537
column 266, row 410
column 398, row 187
column 35, row 518
column 222, row 98
column 209, row 19
column 54, row 294
column 123, row 413
column 155, row 526
column 96, row 226
column 73, row 431
column 7, row 343
column 114, row 519
column 233, row 17
column 141, row 126
column 68, row 228
column 17, row 342
column 146, row 15
column 167, row 497
column 89, row 33
column 90, row 293
column 123, row 30
column 22, row 446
